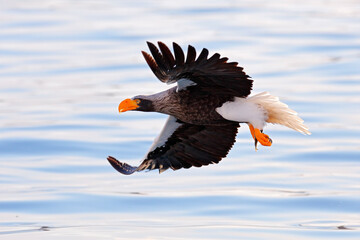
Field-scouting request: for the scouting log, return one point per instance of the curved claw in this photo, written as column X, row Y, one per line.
column 264, row 139
column 259, row 136
column 123, row 168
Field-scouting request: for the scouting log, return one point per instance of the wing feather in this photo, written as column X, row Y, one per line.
column 154, row 67
column 191, row 55
column 203, row 56
column 187, row 146
column 212, row 75
column 179, row 55
column 169, row 58
column 157, row 56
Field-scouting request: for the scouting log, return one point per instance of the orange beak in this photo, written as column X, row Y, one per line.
column 128, row 104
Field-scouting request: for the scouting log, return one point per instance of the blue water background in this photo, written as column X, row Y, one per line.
column 65, row 66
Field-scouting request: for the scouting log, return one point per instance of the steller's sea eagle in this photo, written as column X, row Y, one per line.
column 205, row 108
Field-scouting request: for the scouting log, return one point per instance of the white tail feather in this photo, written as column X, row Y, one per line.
column 278, row 112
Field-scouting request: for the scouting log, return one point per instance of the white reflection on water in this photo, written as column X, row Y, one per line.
column 64, row 67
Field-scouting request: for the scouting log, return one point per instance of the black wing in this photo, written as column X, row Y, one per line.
column 186, row 145
column 214, row 75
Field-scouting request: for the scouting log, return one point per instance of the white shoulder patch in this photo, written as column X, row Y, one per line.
column 183, row 83
column 170, row 127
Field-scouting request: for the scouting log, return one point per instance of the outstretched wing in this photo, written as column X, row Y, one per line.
column 182, row 145
column 214, row 75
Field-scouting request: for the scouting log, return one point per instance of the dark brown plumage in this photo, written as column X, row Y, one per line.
column 213, row 75
column 202, row 136
column 205, row 109
column 190, row 145
column 189, row 106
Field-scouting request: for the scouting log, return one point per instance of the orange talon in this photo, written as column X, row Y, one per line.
column 262, row 138
column 257, row 134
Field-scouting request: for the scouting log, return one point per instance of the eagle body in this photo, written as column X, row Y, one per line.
column 205, row 108
column 189, row 106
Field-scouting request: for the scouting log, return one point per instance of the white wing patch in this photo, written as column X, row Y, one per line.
column 183, row 83
column 170, row 127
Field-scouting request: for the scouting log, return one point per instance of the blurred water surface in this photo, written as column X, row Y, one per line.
column 65, row 66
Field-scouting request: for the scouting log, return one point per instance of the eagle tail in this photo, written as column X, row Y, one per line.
column 279, row 113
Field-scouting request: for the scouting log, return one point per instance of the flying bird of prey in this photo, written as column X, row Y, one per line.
column 205, row 107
